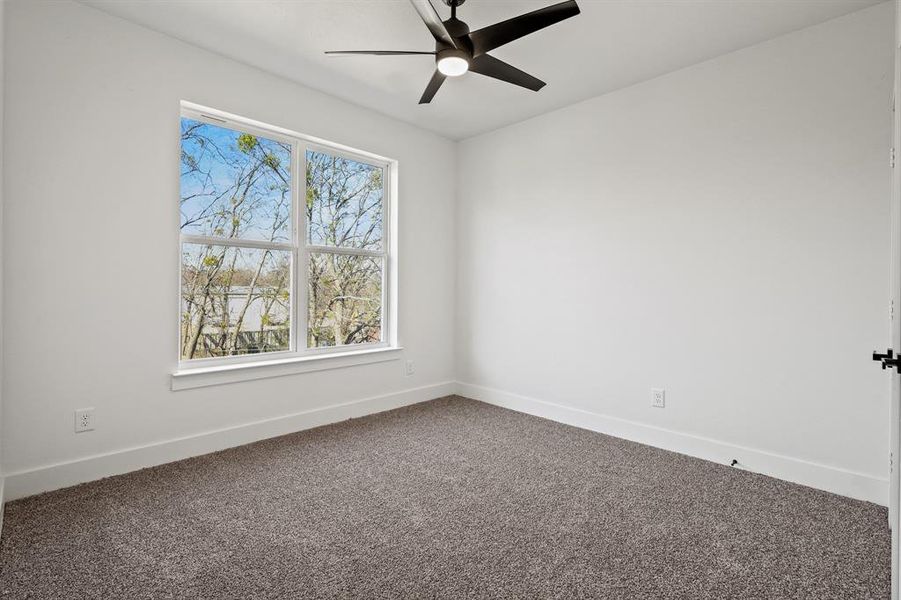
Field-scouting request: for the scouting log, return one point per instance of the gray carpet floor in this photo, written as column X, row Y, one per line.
column 447, row 499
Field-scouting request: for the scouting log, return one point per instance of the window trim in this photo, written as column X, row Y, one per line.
column 300, row 249
column 186, row 379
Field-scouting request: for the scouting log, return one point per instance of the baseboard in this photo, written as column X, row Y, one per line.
column 50, row 477
column 824, row 477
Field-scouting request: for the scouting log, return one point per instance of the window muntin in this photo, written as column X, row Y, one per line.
column 250, row 285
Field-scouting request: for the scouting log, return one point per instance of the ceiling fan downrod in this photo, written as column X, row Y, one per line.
column 453, row 6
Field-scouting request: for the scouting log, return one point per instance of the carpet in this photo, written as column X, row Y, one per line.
column 446, row 499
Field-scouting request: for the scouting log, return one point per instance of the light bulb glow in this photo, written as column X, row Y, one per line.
column 453, row 66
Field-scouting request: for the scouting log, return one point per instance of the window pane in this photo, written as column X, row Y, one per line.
column 345, row 300
column 234, row 301
column 233, row 184
column 344, row 202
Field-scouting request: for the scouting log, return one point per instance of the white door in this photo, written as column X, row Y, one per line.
column 895, row 320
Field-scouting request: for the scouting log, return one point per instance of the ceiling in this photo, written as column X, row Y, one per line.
column 612, row 44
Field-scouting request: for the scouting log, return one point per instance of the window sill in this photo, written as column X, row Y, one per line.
column 186, row 379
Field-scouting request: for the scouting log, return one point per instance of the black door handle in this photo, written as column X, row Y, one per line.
column 892, row 362
column 879, row 357
column 888, row 360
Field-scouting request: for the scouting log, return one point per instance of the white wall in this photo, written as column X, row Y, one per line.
column 722, row 232
column 90, row 243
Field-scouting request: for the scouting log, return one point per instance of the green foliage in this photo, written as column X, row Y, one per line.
column 272, row 161
column 247, row 142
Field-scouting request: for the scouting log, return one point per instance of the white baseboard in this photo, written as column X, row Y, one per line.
column 50, row 477
column 831, row 479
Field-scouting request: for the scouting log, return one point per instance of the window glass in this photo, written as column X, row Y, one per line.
column 234, row 184
column 345, row 299
column 234, row 301
column 344, row 202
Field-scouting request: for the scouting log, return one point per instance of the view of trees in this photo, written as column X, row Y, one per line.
column 237, row 245
column 344, row 213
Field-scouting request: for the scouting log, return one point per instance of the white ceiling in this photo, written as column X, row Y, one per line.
column 612, row 44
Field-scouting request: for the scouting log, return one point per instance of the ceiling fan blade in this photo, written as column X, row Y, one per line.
column 432, row 88
column 494, row 36
column 492, row 67
column 376, row 53
column 433, row 22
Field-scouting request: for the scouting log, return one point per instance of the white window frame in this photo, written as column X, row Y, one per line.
column 300, row 249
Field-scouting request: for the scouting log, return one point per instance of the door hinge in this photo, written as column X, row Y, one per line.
column 891, row 158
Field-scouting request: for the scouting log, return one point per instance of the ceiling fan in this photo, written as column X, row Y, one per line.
column 457, row 50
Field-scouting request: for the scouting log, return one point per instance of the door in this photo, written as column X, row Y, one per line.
column 895, row 320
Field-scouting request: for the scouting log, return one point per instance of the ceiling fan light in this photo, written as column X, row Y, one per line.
column 453, row 66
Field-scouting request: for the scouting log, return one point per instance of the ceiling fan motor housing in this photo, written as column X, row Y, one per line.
column 458, row 30
column 453, row 53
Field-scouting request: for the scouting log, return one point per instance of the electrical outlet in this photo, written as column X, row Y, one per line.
column 84, row 420
column 410, row 368
column 658, row 397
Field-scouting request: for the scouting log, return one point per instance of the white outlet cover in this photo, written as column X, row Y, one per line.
column 84, row 420
column 410, row 367
column 658, row 397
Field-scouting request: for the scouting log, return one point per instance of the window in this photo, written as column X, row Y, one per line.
column 344, row 201
column 274, row 263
